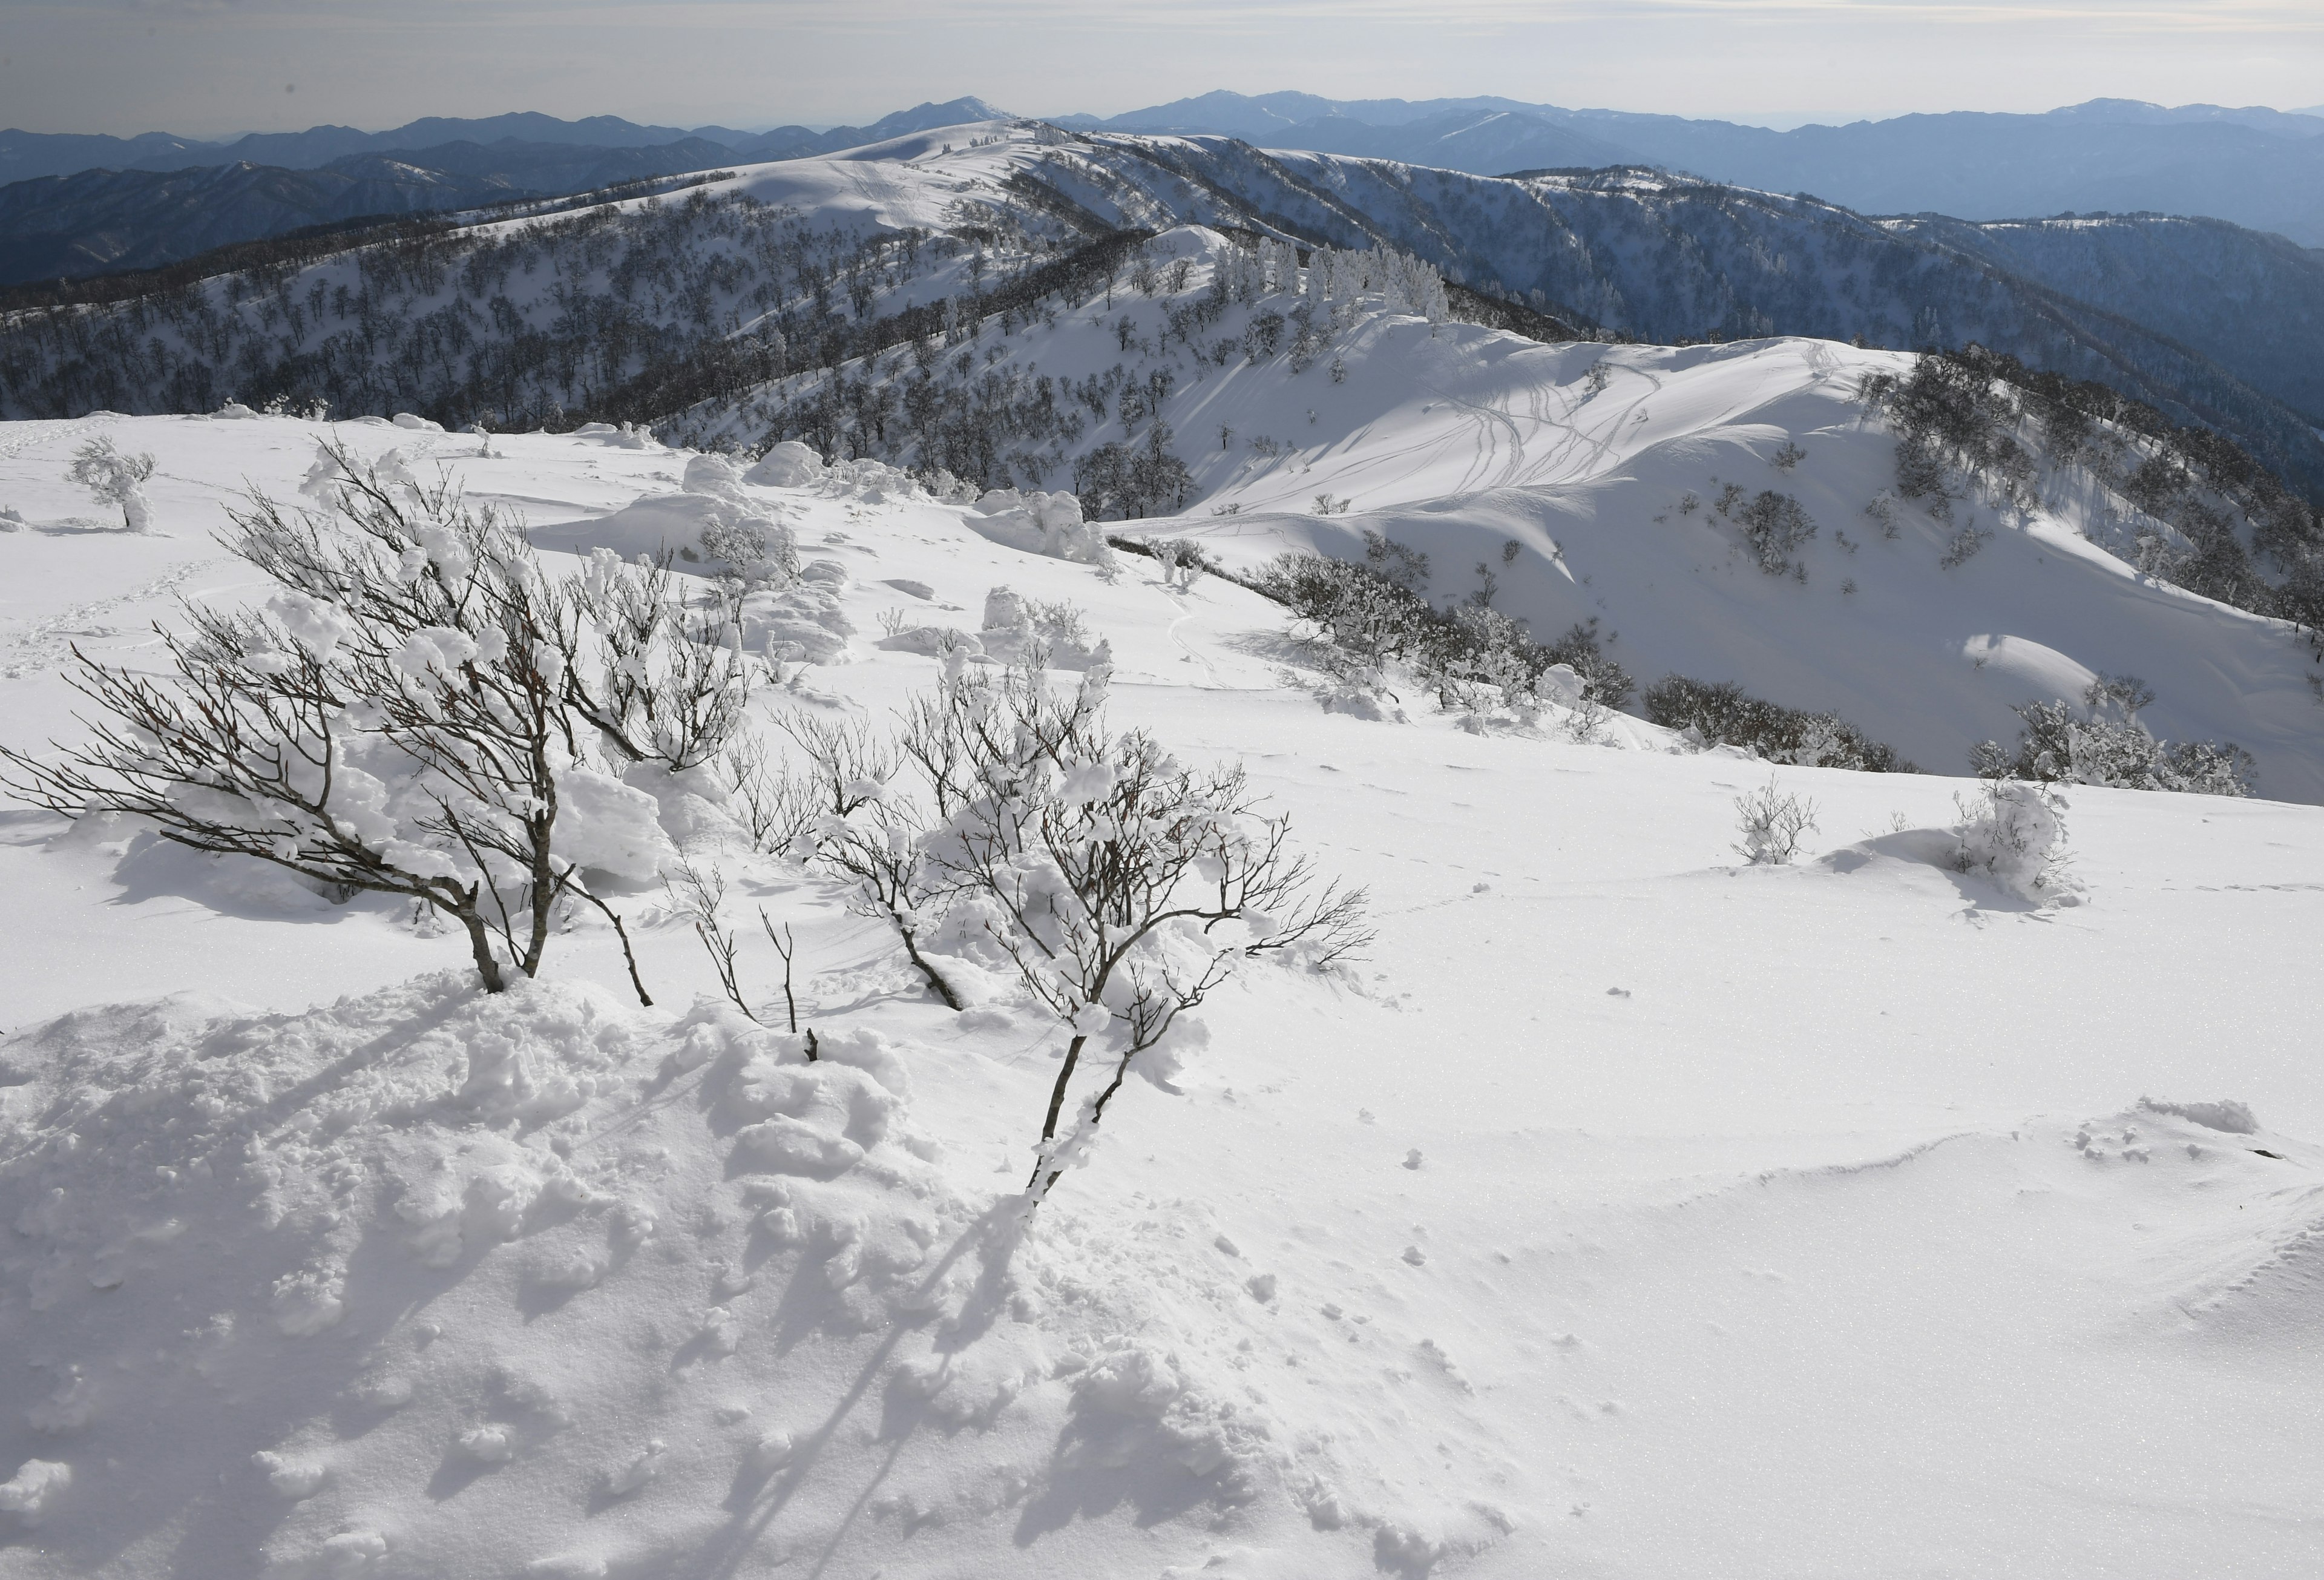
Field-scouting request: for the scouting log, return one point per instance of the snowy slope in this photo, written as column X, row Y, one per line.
column 1459, row 440
column 1631, row 1215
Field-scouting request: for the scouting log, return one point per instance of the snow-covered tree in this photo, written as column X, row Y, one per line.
column 115, row 477
column 1123, row 885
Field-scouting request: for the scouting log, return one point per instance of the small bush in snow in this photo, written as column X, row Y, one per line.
column 1118, row 885
column 1964, row 546
column 1773, row 822
column 116, row 478
column 759, row 551
column 2105, row 743
column 1328, row 504
column 2014, row 834
column 1776, row 527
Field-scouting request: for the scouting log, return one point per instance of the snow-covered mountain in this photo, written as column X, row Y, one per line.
column 2251, row 166
column 937, row 302
column 1656, row 258
column 2252, row 302
column 25, row 155
column 1906, row 1222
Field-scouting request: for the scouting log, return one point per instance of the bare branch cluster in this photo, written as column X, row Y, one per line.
column 1120, row 884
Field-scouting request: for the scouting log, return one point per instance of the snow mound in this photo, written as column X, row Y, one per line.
column 1040, row 523
column 452, row 1283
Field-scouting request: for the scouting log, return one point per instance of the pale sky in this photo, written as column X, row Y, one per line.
column 206, row 68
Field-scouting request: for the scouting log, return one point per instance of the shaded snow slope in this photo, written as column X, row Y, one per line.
column 1628, row 1214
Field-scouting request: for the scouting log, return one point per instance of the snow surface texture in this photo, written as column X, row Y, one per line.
column 1637, row 1212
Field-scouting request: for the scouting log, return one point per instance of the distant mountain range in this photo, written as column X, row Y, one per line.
column 25, row 155
column 2256, row 167
column 99, row 221
column 173, row 199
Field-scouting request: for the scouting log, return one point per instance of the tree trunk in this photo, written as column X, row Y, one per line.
column 480, row 944
column 943, row 989
column 1057, row 1101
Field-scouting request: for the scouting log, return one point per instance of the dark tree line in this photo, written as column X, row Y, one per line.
column 606, row 314
column 2253, row 542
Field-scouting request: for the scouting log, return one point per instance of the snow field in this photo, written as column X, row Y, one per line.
column 1632, row 1214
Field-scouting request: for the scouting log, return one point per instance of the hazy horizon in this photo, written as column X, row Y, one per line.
column 1773, row 120
column 212, row 68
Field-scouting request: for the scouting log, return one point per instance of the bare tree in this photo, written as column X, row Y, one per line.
column 867, row 835
column 399, row 719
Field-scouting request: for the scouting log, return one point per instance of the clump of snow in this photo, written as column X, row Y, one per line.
column 37, row 1484
column 627, row 436
column 2227, row 1114
column 806, row 622
column 1042, row 523
column 1017, row 630
column 710, row 519
column 789, row 465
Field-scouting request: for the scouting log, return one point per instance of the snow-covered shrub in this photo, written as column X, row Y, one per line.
column 1184, row 561
column 2105, row 744
column 1604, row 682
column 2014, row 834
column 1964, row 546
column 418, row 711
column 116, row 478
column 1367, row 617
column 1133, row 885
column 1774, row 526
column 1054, row 524
column 1118, row 886
column 865, row 833
column 1722, row 713
column 1773, row 822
